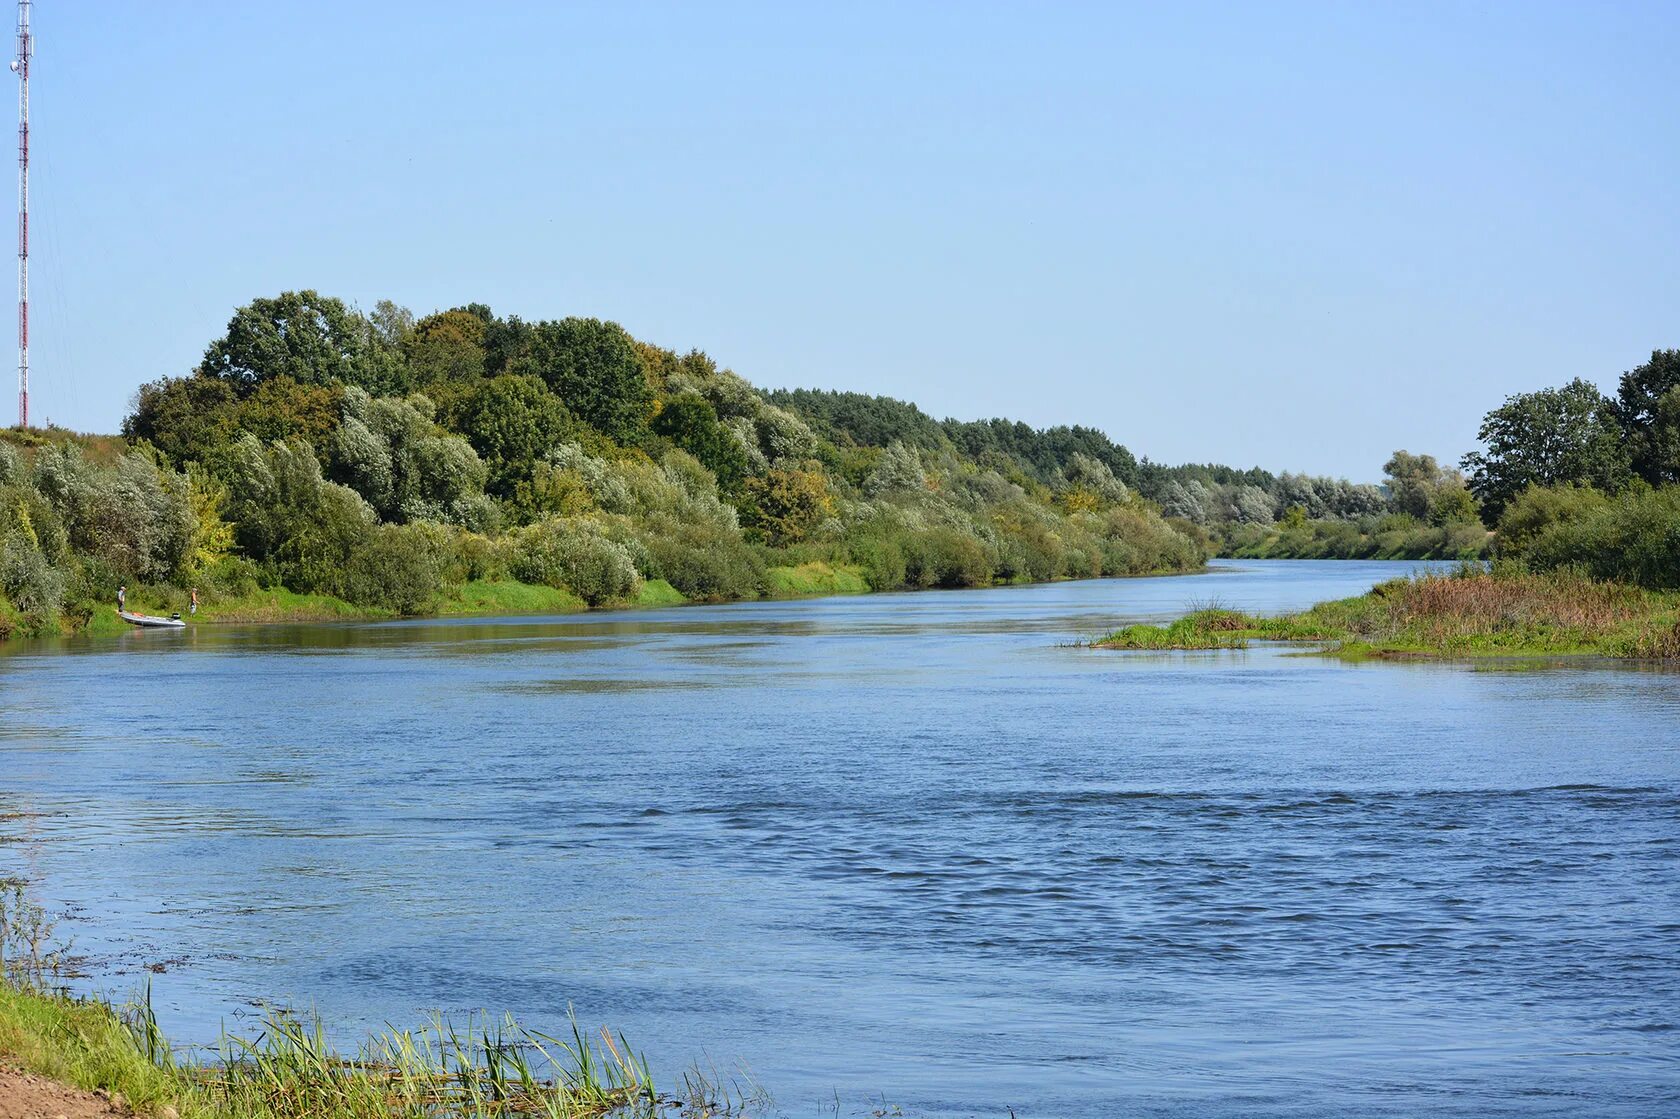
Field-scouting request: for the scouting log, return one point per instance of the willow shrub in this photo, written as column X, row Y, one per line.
column 398, row 567
column 34, row 586
column 572, row 553
column 947, row 557
column 703, row 560
column 1634, row 537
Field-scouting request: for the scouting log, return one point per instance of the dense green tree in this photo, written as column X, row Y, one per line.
column 785, row 505
column 860, row 420
column 1187, row 501
column 1569, row 434
column 1046, row 453
column 1538, row 508
column 505, row 341
column 690, row 422
column 575, row 554
column 281, row 409
column 1452, row 505
column 395, row 567
column 1418, row 485
column 406, row 467
column 512, row 422
column 1648, row 406
column 1633, row 537
column 392, row 325
column 899, row 470
column 300, row 527
column 135, row 516
column 592, row 366
column 448, row 346
column 184, row 417
column 1252, row 505
column 311, row 338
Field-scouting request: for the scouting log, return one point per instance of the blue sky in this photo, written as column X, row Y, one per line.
column 1299, row 236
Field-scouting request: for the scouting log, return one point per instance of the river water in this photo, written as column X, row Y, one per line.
column 916, row 848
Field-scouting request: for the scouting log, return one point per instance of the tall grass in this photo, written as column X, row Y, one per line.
column 287, row 1068
column 480, row 1069
column 1473, row 612
column 484, row 1068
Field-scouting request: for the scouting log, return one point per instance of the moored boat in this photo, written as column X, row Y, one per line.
column 152, row 621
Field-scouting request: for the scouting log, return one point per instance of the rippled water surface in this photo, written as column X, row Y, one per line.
column 911, row 845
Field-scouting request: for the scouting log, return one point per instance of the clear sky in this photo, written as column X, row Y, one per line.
column 1299, row 236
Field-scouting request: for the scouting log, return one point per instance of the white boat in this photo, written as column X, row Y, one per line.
column 151, row 621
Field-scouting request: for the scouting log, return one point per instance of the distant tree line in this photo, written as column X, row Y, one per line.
column 384, row 458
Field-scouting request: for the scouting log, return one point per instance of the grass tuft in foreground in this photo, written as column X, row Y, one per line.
column 288, row 1070
column 486, row 1069
column 1471, row 613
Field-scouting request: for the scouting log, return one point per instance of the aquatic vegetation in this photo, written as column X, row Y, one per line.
column 287, row 1069
column 1470, row 613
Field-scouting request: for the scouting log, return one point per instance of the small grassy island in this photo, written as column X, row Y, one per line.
column 1472, row 613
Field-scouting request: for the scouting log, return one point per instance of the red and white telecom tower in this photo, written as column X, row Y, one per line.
column 20, row 67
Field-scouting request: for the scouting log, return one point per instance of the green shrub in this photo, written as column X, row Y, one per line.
column 946, row 557
column 704, row 561
column 881, row 558
column 397, row 567
column 478, row 557
column 34, row 586
column 1538, row 508
column 573, row 554
column 1634, row 537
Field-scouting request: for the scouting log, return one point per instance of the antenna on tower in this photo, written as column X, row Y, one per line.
column 20, row 67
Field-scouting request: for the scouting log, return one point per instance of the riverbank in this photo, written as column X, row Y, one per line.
column 476, row 598
column 1389, row 538
column 1469, row 614
column 87, row 1059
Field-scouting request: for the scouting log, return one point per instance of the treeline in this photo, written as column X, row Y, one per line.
column 1565, row 478
column 1422, row 510
column 1576, row 479
column 384, row 459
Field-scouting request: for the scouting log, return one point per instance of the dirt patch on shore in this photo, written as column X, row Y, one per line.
column 23, row 1095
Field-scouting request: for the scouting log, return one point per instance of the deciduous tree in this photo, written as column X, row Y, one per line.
column 1568, row 434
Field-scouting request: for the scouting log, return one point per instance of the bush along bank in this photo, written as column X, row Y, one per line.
column 321, row 462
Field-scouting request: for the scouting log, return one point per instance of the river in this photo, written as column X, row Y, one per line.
column 918, row 848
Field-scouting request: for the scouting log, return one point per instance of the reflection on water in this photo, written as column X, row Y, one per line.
column 911, row 844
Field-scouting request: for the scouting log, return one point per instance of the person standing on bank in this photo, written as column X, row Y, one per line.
column 192, row 607
column 122, row 599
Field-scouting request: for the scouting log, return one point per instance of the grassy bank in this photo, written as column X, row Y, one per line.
column 475, row 598
column 809, row 580
column 1466, row 615
column 287, row 1070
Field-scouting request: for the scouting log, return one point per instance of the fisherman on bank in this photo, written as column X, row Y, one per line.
column 122, row 599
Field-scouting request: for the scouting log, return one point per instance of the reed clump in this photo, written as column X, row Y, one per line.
column 1485, row 600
